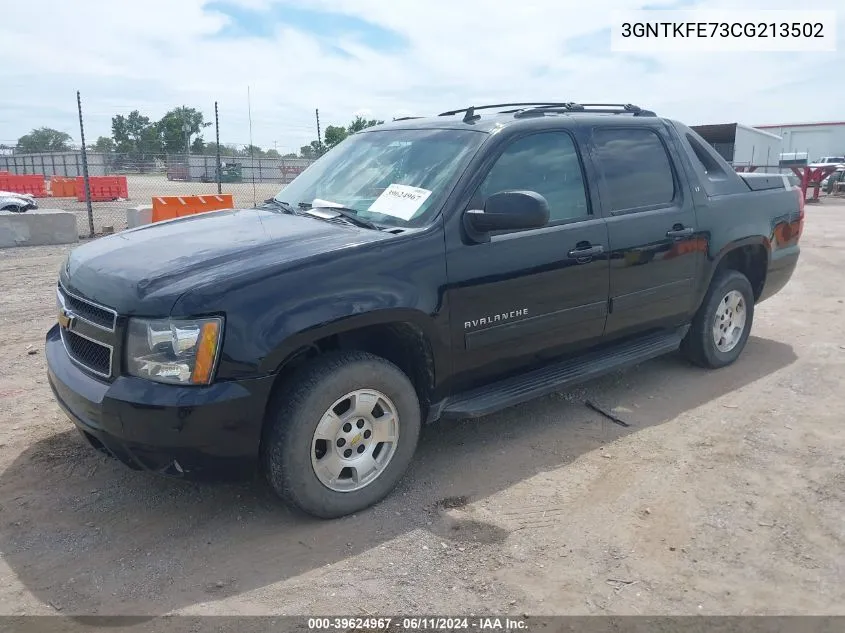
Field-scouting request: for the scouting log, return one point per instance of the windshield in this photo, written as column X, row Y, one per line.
column 391, row 177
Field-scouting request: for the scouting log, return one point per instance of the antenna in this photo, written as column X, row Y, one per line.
column 251, row 146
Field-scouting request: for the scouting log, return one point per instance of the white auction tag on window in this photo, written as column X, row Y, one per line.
column 400, row 201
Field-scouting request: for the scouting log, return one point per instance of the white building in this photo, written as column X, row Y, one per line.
column 741, row 145
column 817, row 139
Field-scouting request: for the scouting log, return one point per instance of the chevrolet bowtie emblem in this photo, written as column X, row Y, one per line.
column 66, row 318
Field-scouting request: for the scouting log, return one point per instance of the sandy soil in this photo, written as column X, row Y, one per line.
column 724, row 496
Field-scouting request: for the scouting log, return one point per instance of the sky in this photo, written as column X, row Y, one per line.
column 379, row 58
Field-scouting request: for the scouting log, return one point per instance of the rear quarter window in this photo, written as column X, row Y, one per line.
column 715, row 175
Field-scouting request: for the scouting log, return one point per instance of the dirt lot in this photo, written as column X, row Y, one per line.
column 141, row 191
column 724, row 496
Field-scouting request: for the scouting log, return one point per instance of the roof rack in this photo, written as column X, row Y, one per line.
column 598, row 108
column 407, row 118
column 533, row 108
column 503, row 105
column 470, row 114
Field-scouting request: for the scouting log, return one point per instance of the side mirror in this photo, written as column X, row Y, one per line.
column 508, row 211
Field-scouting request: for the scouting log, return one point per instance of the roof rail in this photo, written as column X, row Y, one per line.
column 407, row 118
column 571, row 105
column 501, row 105
column 532, row 108
column 598, row 108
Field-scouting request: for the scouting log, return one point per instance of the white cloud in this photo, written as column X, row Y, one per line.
column 124, row 57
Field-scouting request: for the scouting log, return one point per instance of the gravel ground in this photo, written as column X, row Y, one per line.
column 724, row 496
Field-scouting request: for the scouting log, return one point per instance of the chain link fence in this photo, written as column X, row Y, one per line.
column 249, row 173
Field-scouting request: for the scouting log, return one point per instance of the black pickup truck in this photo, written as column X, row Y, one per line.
column 441, row 267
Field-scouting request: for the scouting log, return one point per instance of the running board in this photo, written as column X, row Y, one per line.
column 540, row 382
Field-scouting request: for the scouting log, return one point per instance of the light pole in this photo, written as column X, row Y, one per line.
column 187, row 129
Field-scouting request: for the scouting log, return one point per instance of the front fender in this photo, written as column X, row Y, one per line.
column 400, row 280
column 436, row 336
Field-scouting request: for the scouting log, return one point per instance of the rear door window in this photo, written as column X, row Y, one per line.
column 635, row 168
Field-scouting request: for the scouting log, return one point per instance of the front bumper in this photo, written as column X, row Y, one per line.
column 180, row 431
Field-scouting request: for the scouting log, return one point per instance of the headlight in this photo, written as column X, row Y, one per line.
column 180, row 351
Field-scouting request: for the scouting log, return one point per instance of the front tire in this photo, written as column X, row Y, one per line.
column 723, row 322
column 340, row 436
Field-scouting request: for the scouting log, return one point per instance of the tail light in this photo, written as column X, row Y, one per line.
column 801, row 203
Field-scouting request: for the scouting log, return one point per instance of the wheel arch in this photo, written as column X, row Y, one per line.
column 406, row 338
column 749, row 256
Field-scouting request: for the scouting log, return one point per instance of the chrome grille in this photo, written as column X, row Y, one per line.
column 88, row 332
column 100, row 316
column 95, row 357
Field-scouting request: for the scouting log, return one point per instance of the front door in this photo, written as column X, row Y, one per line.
column 526, row 297
column 652, row 227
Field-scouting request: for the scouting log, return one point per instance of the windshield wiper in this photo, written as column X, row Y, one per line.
column 346, row 212
column 284, row 206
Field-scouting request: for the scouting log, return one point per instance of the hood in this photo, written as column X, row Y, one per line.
column 144, row 270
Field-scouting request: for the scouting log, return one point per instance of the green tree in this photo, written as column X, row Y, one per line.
column 44, row 139
column 312, row 150
column 104, row 144
column 135, row 136
column 149, row 143
column 291, row 155
column 360, row 123
column 210, row 149
column 172, row 128
column 334, row 135
column 252, row 151
column 230, row 150
column 271, row 153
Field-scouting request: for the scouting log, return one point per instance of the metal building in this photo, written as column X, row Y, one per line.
column 817, row 139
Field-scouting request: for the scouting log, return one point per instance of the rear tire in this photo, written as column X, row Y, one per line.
column 723, row 322
column 341, row 434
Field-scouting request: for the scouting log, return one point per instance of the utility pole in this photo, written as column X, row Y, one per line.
column 186, row 128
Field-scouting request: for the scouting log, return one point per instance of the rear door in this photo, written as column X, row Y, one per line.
column 654, row 240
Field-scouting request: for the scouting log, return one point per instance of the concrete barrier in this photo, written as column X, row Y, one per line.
column 138, row 216
column 169, row 207
column 37, row 227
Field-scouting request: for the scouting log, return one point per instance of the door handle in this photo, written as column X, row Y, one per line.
column 587, row 251
column 680, row 232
